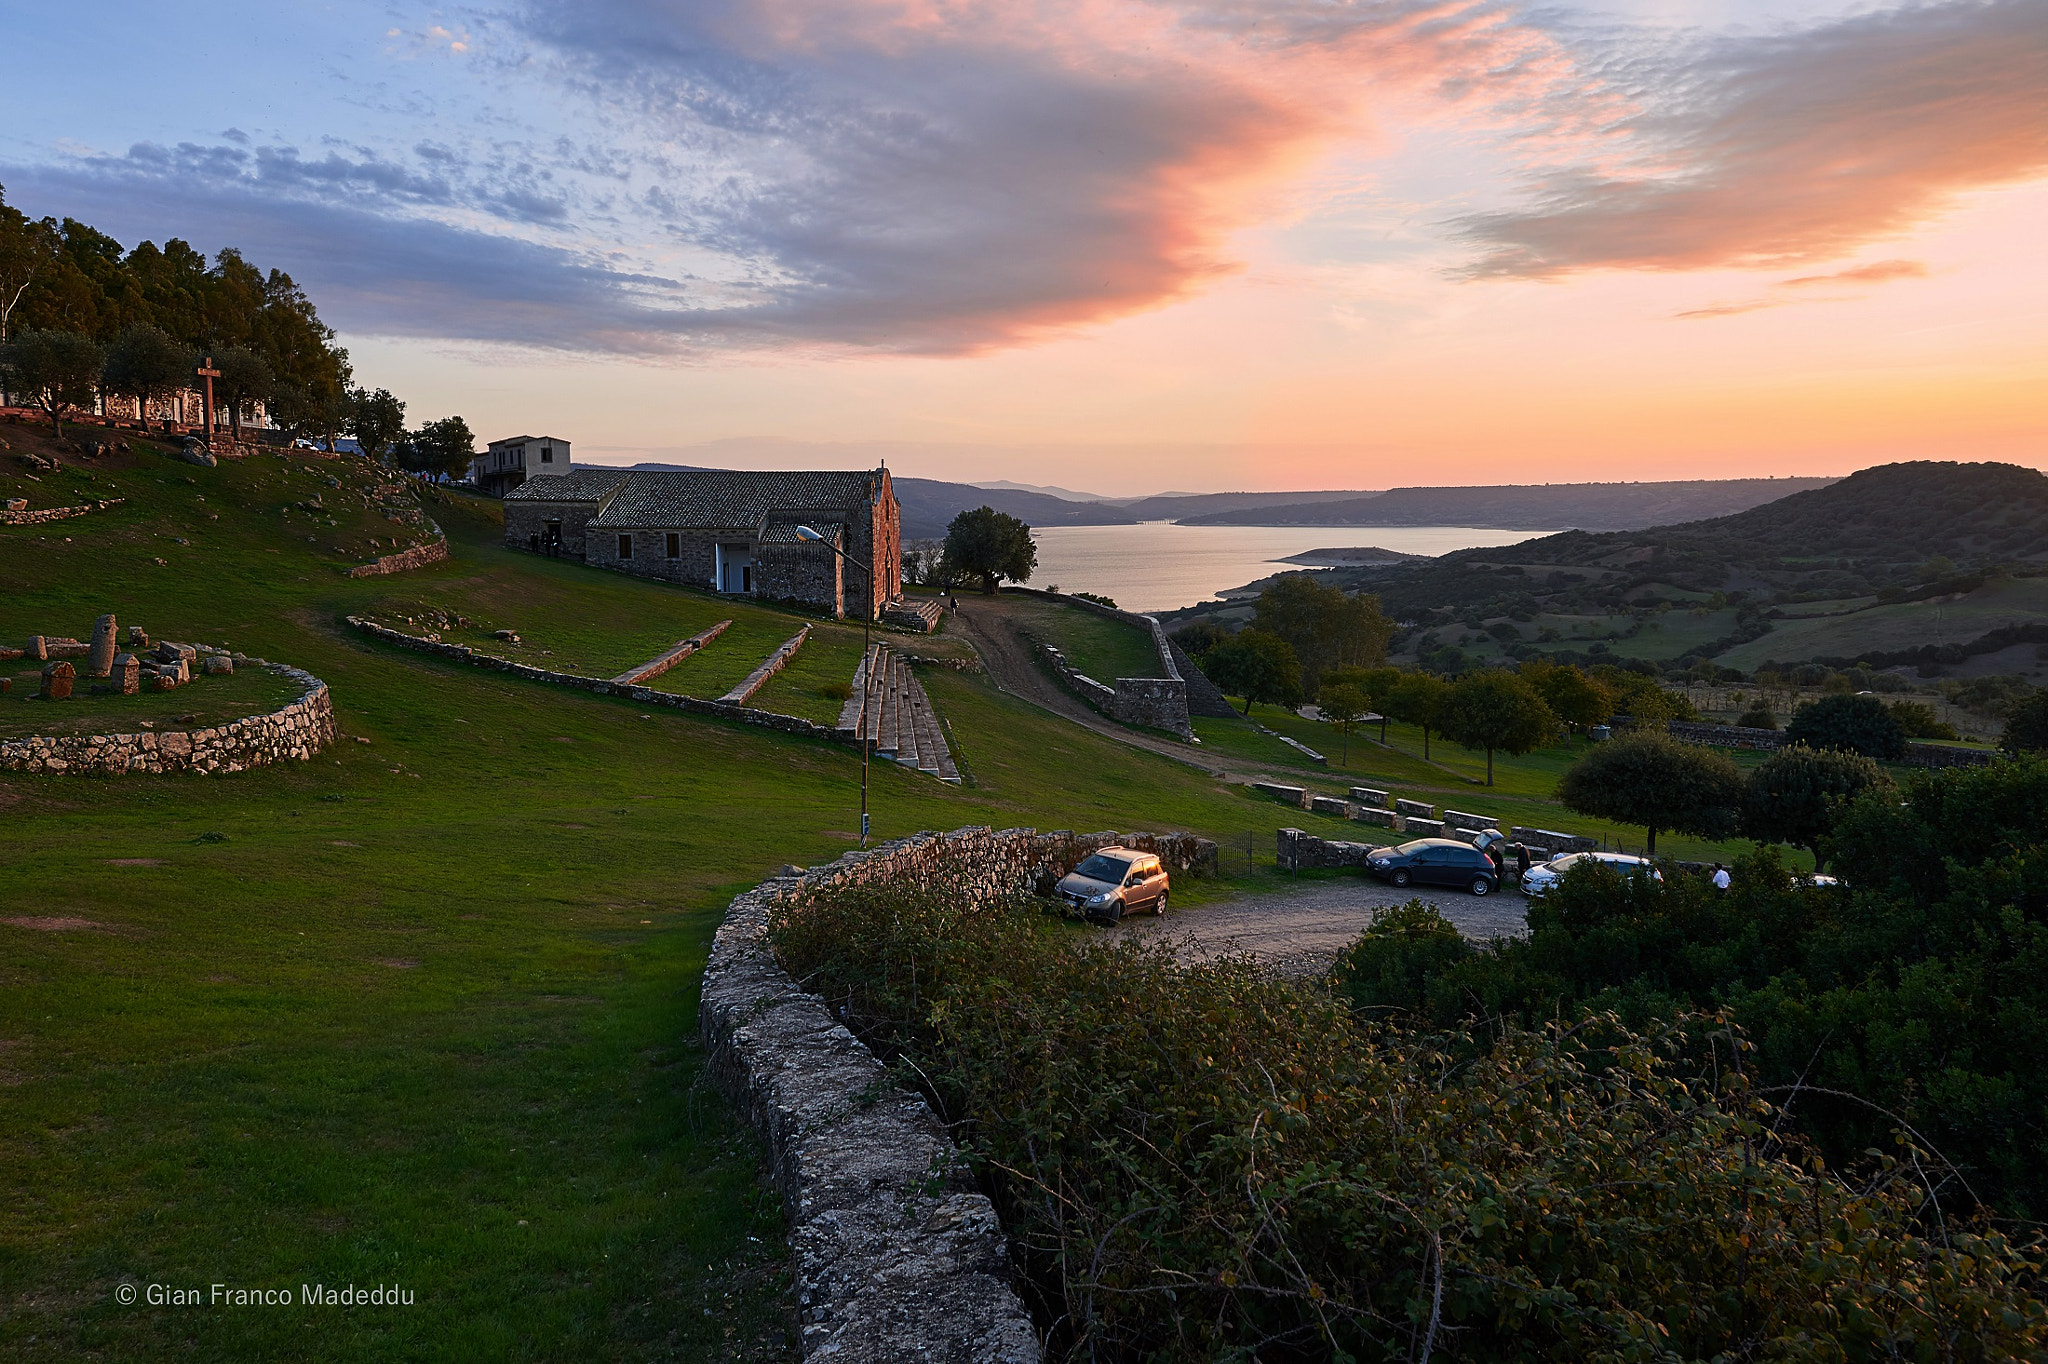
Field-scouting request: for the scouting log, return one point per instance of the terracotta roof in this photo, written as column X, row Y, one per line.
column 727, row 499
column 579, row 485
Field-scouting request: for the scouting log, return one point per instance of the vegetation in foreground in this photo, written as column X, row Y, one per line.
column 1206, row 1163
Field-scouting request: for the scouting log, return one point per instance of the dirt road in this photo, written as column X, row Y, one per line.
column 989, row 624
column 1299, row 931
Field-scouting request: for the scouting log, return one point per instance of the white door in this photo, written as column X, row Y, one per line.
column 736, row 568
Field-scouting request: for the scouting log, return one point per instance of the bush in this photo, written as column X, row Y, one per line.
column 2026, row 726
column 1758, row 717
column 836, row 691
column 1917, row 720
column 1206, row 1163
column 1853, row 724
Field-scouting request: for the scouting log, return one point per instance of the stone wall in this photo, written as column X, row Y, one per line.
column 897, row 1255
column 21, row 516
column 419, row 556
column 1154, row 702
column 296, row 732
column 1299, row 851
column 771, row 665
column 1770, row 740
column 462, row 653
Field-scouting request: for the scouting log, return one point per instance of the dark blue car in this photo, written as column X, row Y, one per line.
column 1436, row 862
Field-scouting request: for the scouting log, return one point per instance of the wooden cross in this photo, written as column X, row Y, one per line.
column 207, row 374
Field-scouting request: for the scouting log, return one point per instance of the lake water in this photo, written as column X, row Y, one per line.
column 1160, row 565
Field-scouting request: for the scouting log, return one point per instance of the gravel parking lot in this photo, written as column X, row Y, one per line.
column 1300, row 930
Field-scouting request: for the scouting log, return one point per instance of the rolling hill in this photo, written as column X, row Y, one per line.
column 1585, row 506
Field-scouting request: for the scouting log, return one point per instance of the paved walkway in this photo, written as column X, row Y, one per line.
column 1300, row 930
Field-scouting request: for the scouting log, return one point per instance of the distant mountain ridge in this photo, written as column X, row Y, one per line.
column 1580, row 506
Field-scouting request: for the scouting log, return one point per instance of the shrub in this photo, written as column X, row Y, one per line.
column 836, row 691
column 1758, row 717
column 1206, row 1163
column 1794, row 795
column 1917, row 720
column 2026, row 726
column 1854, row 724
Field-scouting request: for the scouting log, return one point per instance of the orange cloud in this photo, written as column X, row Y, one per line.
column 1877, row 272
column 1800, row 147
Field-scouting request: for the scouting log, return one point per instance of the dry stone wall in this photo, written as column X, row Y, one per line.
column 462, row 653
column 294, row 733
column 897, row 1255
column 16, row 512
column 419, row 556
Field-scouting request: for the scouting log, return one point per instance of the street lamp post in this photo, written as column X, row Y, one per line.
column 805, row 533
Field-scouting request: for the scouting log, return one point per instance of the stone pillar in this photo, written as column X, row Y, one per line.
column 100, row 662
column 36, row 650
column 57, row 681
column 127, row 674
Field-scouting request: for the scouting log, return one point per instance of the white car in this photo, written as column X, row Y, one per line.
column 1537, row 881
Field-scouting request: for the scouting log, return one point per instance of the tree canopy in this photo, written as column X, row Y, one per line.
column 1417, row 699
column 376, row 420
column 2026, row 726
column 1343, row 705
column 1658, row 783
column 1258, row 666
column 1327, row 626
column 1573, row 697
column 1795, row 795
column 1496, row 710
column 1854, row 724
column 440, row 447
column 990, row 545
column 59, row 370
column 146, row 362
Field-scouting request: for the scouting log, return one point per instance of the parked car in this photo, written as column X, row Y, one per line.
column 1115, row 882
column 1436, row 862
column 1537, row 881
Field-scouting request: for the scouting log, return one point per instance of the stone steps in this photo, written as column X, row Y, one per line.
column 919, row 613
column 890, row 710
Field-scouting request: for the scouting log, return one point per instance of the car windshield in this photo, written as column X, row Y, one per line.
column 1100, row 868
column 1562, row 863
column 1417, row 846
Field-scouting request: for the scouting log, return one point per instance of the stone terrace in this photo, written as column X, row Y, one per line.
column 890, row 707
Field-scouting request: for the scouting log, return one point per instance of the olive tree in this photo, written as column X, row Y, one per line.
column 1496, row 710
column 1658, row 783
column 1417, row 699
column 1795, row 794
column 145, row 363
column 1343, row 705
column 376, row 420
column 1855, row 724
column 990, row 545
column 60, row 370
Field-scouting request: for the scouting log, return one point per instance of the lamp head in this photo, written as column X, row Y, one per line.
column 806, row 533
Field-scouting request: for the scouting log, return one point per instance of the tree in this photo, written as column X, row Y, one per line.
column 1855, row 724
column 27, row 247
column 61, row 370
column 146, row 362
column 2026, row 726
column 441, row 447
column 1327, row 626
column 245, row 380
column 1496, row 710
column 1795, row 794
column 1258, row 667
column 1199, row 637
column 1572, row 696
column 1639, row 696
column 990, row 545
column 1659, row 783
column 1417, row 699
column 1918, row 720
column 1343, row 705
column 376, row 420
column 1377, row 684
column 1758, row 716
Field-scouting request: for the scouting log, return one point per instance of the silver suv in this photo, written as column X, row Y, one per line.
column 1114, row 882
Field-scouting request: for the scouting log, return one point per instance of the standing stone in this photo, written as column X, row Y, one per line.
column 100, row 662
column 217, row 664
column 138, row 638
column 57, row 681
column 36, row 649
column 127, row 674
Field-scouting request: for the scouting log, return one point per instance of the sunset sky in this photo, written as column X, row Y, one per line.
column 1122, row 247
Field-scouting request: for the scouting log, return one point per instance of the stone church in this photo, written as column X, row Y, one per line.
column 728, row 530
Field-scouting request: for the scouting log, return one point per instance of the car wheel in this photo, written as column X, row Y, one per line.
column 1400, row 876
column 1116, row 911
column 1481, row 886
column 1159, row 906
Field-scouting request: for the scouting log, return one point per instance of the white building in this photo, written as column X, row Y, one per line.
column 505, row 464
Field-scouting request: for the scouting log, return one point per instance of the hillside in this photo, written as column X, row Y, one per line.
column 1585, row 506
column 1929, row 563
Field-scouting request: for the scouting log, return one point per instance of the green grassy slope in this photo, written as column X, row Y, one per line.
column 422, row 1011
column 1101, row 646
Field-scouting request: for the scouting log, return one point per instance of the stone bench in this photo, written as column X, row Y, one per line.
column 1286, row 795
column 1365, row 795
column 1458, row 819
column 1556, row 843
column 1330, row 805
column 1423, row 828
column 1416, row 808
column 1366, row 814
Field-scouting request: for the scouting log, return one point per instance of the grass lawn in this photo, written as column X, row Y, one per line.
column 1101, row 646
column 423, row 1011
column 203, row 702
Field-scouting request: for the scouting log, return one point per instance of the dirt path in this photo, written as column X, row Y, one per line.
column 989, row 624
column 1300, row 930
